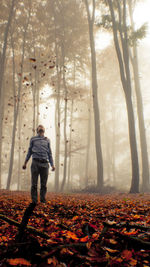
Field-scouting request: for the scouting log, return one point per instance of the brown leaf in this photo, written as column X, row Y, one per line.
column 32, row 59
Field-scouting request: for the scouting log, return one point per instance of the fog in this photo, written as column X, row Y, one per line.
column 81, row 69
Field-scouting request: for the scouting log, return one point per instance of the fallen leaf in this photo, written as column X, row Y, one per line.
column 126, row 254
column 18, row 261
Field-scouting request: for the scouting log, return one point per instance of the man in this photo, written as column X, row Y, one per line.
column 41, row 153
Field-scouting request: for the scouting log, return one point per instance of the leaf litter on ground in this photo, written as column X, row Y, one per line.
column 80, row 230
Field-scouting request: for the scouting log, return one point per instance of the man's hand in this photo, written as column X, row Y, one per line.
column 24, row 166
column 53, row 168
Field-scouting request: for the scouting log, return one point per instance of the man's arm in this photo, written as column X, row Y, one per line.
column 28, row 154
column 50, row 157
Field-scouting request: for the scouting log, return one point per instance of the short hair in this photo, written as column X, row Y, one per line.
column 40, row 125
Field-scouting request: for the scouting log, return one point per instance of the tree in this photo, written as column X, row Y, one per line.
column 143, row 141
column 16, row 104
column 2, row 67
column 99, row 158
column 122, row 51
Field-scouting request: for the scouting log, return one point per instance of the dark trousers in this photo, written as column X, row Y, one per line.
column 38, row 168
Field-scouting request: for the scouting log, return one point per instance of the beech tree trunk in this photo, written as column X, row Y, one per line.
column 99, row 157
column 143, row 141
column 123, row 59
column 65, row 122
column 37, row 98
column 70, row 141
column 16, row 104
column 19, row 147
column 2, row 67
column 3, row 55
column 34, row 100
column 57, row 110
column 88, row 147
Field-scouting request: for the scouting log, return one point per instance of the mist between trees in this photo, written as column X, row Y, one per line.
column 98, row 99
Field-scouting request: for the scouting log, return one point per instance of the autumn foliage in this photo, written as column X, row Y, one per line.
column 76, row 230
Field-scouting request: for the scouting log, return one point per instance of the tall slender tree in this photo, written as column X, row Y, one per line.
column 16, row 103
column 65, row 119
column 57, row 111
column 91, row 20
column 2, row 67
column 143, row 141
column 122, row 51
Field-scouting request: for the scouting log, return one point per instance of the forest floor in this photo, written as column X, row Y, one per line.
column 75, row 230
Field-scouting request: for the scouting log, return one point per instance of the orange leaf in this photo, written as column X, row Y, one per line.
column 84, row 239
column 75, row 217
column 111, row 250
column 18, row 261
column 127, row 254
column 119, row 260
column 88, row 244
column 137, row 216
column 133, row 262
column 66, row 251
column 53, row 261
column 71, row 235
column 133, row 232
column 112, row 241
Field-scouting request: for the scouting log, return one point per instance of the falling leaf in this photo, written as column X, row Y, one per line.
column 32, row 59
column 25, row 78
column 51, row 67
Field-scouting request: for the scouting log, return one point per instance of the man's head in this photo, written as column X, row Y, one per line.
column 40, row 130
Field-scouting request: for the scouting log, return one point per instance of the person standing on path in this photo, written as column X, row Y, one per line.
column 41, row 154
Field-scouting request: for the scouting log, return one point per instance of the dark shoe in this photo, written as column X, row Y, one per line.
column 34, row 203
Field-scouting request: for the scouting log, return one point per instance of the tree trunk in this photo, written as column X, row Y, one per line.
column 1, row 130
column 2, row 66
column 57, row 112
column 65, row 124
column 113, row 147
column 71, row 121
column 99, row 157
column 133, row 146
column 88, row 147
column 143, row 142
column 37, row 99
column 3, row 56
column 34, row 101
column 70, row 142
column 123, row 59
column 57, row 127
column 19, row 147
column 16, row 106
